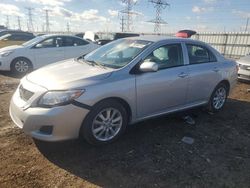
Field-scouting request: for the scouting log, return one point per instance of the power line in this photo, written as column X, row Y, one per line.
column 30, row 19
column 159, row 5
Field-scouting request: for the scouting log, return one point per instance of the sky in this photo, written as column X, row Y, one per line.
column 104, row 16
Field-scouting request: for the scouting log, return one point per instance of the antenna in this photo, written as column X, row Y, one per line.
column 47, row 20
column 30, row 19
column 127, row 15
column 19, row 23
column 159, row 5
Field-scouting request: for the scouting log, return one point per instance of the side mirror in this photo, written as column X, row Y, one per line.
column 148, row 66
column 39, row 46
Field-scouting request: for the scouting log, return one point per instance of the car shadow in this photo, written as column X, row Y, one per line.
column 151, row 153
column 10, row 74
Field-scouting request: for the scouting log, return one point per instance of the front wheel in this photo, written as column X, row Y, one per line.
column 21, row 66
column 218, row 98
column 105, row 122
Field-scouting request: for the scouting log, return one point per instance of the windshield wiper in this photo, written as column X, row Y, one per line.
column 95, row 63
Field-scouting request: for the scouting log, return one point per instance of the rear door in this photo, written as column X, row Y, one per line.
column 204, row 73
column 164, row 90
column 75, row 47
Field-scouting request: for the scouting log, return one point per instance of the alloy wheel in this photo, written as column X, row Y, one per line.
column 107, row 124
column 21, row 66
column 219, row 98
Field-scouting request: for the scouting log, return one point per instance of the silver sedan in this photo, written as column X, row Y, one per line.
column 121, row 83
column 244, row 68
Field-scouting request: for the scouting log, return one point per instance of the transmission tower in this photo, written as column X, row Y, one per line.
column 159, row 5
column 122, row 23
column 19, row 23
column 47, row 20
column 68, row 28
column 30, row 19
column 7, row 24
column 127, row 15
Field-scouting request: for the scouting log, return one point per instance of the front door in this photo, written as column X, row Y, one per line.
column 164, row 90
column 48, row 51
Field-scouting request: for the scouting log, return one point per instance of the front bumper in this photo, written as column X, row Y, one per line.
column 5, row 63
column 65, row 120
column 244, row 74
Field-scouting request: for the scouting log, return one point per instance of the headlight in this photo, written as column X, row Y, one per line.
column 57, row 98
column 5, row 53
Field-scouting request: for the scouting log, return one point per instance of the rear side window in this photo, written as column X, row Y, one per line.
column 80, row 42
column 199, row 54
column 72, row 41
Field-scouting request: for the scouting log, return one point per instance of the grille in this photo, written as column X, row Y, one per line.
column 25, row 94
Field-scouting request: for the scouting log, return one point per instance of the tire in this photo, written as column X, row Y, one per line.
column 218, row 98
column 97, row 129
column 21, row 66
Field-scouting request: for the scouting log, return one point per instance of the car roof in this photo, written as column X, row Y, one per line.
column 157, row 38
column 59, row 35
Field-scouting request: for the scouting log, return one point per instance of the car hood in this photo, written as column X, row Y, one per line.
column 244, row 60
column 68, row 74
column 14, row 47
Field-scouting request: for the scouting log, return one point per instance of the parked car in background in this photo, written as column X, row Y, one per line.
column 123, row 82
column 244, row 68
column 41, row 51
column 117, row 36
column 14, row 32
column 14, row 37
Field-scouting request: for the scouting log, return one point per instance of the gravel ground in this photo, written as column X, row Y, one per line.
column 150, row 154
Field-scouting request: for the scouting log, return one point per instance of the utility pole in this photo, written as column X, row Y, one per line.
column 159, row 5
column 7, row 25
column 30, row 19
column 246, row 29
column 19, row 23
column 47, row 20
column 127, row 15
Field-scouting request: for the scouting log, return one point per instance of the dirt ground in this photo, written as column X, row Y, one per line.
column 150, row 154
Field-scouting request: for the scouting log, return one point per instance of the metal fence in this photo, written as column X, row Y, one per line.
column 232, row 45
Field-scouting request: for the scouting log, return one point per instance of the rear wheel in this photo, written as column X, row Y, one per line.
column 21, row 66
column 105, row 122
column 218, row 98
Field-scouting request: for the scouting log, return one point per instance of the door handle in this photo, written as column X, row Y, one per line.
column 216, row 69
column 183, row 75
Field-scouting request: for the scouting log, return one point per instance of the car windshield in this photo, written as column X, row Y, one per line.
column 118, row 53
column 32, row 41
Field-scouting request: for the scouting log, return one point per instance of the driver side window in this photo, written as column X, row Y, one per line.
column 167, row 56
column 48, row 43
